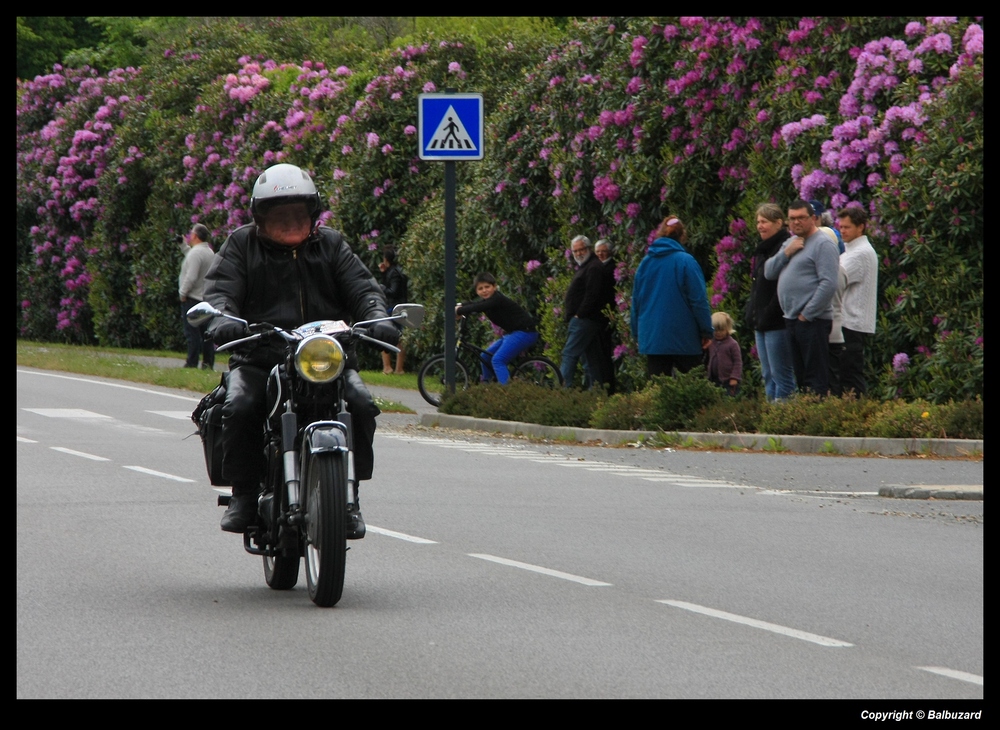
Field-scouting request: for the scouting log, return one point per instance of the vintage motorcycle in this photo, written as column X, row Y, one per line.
column 309, row 486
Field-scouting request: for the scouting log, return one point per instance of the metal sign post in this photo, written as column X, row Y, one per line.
column 450, row 128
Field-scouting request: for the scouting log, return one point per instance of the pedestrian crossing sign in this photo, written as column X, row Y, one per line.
column 451, row 126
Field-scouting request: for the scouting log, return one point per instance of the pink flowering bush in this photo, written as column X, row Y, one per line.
column 602, row 133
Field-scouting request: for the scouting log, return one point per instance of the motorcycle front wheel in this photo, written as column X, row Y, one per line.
column 326, row 526
column 431, row 382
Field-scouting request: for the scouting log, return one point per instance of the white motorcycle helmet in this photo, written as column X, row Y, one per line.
column 280, row 184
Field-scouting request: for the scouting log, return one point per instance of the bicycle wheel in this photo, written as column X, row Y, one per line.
column 430, row 379
column 540, row 371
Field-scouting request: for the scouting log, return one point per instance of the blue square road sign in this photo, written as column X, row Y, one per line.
column 450, row 126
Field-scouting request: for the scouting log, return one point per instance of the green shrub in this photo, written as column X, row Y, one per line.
column 963, row 420
column 731, row 415
column 524, row 402
column 677, row 399
column 625, row 411
column 809, row 415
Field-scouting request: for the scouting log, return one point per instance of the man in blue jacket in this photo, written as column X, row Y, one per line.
column 670, row 319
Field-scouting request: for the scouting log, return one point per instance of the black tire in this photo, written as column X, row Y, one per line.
column 540, row 371
column 281, row 572
column 430, row 379
column 326, row 527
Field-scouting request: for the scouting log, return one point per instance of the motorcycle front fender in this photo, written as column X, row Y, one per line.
column 324, row 436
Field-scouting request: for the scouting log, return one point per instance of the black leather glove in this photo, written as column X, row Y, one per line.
column 385, row 331
column 227, row 330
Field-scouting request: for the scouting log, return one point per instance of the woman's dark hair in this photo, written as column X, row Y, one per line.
column 389, row 254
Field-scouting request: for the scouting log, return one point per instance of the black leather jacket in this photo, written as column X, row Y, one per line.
column 261, row 281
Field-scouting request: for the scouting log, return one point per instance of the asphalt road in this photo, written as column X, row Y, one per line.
column 494, row 568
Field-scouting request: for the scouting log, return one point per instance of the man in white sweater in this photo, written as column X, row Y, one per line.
column 859, row 297
column 191, row 291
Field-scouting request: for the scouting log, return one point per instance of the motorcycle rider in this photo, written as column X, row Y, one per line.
column 286, row 270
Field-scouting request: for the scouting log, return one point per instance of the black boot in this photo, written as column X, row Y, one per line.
column 242, row 510
column 355, row 523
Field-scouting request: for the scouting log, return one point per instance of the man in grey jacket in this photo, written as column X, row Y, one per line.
column 191, row 290
column 806, row 268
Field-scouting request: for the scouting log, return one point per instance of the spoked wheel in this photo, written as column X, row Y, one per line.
column 431, row 380
column 326, row 527
column 540, row 371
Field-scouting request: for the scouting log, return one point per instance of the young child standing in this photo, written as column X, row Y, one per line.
column 519, row 327
column 725, row 360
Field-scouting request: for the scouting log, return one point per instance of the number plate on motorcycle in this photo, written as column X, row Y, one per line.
column 324, row 326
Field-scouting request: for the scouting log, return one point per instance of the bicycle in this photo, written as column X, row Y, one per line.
column 526, row 367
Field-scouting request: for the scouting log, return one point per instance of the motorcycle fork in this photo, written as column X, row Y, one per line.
column 352, row 483
column 290, row 458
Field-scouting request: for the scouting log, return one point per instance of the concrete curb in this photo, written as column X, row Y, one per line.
column 935, row 491
column 754, row 442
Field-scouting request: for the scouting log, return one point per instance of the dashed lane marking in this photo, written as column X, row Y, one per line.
column 539, row 569
column 71, row 452
column 955, row 674
column 757, row 624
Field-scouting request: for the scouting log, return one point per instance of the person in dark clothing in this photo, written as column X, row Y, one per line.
column 763, row 313
column 583, row 311
column 606, row 253
column 519, row 327
column 286, row 270
column 394, row 286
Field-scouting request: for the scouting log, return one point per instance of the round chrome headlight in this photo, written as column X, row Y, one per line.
column 319, row 358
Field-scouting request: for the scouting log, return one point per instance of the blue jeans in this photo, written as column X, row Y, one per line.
column 583, row 342
column 776, row 364
column 503, row 351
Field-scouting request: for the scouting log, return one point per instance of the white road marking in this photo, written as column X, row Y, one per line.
column 539, row 569
column 714, row 485
column 78, row 453
column 23, row 440
column 652, row 475
column 689, row 482
column 188, row 398
column 954, row 674
column 811, row 494
column 66, row 413
column 400, row 535
column 161, row 474
column 784, row 630
column 179, row 415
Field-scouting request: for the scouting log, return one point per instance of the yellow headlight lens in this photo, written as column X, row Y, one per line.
column 319, row 359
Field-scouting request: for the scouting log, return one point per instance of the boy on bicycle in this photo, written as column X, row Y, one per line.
column 520, row 328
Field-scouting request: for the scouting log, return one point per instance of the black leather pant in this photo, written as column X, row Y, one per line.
column 245, row 411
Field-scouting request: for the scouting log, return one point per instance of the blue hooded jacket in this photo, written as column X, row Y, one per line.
column 670, row 312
